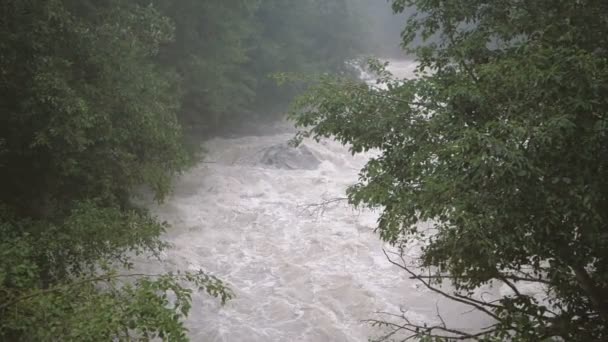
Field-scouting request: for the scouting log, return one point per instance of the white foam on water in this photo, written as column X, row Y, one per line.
column 403, row 69
column 300, row 273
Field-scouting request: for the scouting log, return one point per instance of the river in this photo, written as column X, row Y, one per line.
column 300, row 272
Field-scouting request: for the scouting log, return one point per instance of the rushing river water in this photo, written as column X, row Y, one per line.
column 300, row 272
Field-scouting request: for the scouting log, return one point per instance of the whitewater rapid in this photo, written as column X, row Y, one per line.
column 300, row 272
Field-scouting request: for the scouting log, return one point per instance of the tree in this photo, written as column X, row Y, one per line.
column 210, row 53
column 224, row 53
column 502, row 142
column 87, row 117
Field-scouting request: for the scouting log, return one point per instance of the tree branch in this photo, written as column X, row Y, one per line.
column 318, row 209
column 595, row 295
column 502, row 276
column 458, row 298
column 418, row 330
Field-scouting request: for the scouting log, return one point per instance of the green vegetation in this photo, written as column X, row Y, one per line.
column 225, row 52
column 502, row 142
column 93, row 97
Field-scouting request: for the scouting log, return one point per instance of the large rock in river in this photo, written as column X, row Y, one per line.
column 288, row 157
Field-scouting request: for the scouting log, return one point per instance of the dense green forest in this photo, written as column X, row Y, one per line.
column 95, row 99
column 500, row 143
column 224, row 52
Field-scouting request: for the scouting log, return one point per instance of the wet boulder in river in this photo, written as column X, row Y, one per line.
column 284, row 156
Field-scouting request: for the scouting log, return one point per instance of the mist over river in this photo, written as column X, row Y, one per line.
column 300, row 272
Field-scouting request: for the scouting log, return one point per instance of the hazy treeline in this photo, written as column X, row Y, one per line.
column 94, row 96
column 225, row 51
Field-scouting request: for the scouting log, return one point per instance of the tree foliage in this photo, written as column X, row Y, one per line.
column 501, row 142
column 225, row 52
column 87, row 116
column 209, row 53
